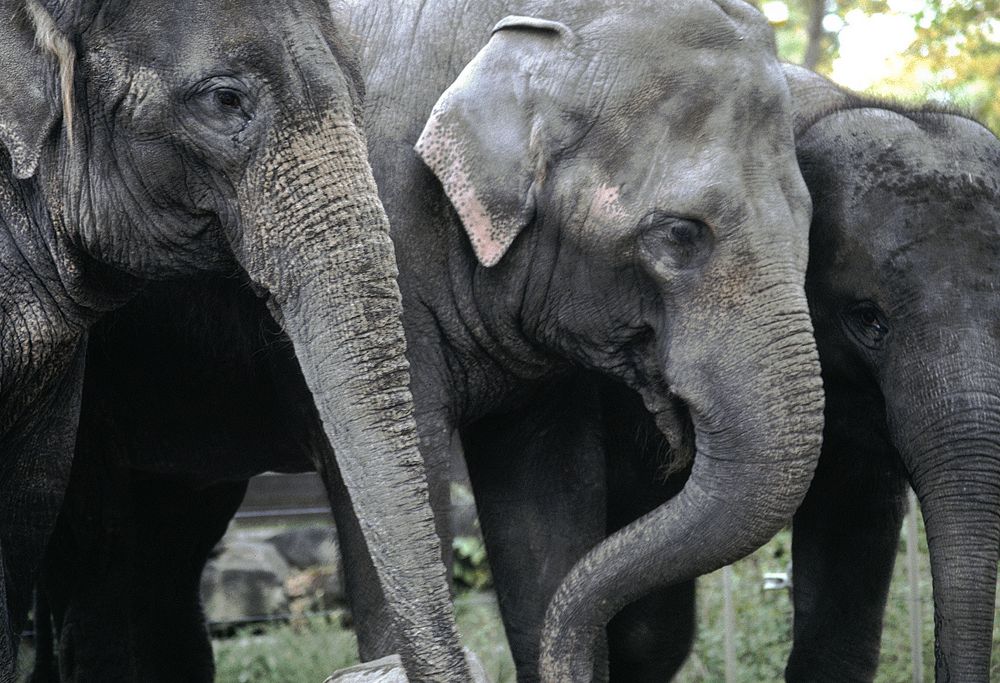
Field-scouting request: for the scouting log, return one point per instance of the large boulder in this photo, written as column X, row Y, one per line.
column 245, row 580
column 310, row 546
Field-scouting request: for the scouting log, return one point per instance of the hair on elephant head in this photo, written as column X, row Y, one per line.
column 157, row 140
column 633, row 178
column 903, row 285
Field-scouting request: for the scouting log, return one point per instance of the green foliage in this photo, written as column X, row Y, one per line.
column 959, row 41
column 304, row 652
column 953, row 58
column 311, row 650
column 471, row 568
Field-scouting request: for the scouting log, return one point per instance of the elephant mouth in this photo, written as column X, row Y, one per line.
column 673, row 419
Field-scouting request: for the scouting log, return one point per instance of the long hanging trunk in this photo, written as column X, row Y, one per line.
column 945, row 421
column 758, row 424
column 318, row 242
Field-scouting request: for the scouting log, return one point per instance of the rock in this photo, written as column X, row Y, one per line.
column 245, row 580
column 306, row 547
column 386, row 670
column 390, row 670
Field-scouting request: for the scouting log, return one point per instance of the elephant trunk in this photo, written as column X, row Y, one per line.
column 947, row 428
column 758, row 425
column 317, row 241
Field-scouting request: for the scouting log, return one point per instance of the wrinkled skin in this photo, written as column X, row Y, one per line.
column 594, row 222
column 901, row 284
column 546, row 227
column 155, row 141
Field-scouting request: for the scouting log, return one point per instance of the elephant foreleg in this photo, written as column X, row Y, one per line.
column 539, row 483
column 125, row 586
column 844, row 543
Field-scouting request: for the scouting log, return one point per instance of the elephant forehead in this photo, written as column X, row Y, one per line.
column 193, row 41
column 668, row 27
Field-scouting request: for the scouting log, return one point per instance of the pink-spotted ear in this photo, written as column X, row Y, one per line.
column 482, row 138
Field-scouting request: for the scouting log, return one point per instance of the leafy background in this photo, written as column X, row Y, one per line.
column 915, row 50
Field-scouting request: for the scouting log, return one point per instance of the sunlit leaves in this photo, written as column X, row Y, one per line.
column 942, row 50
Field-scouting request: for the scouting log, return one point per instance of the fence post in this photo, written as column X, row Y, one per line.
column 913, row 576
column 729, row 622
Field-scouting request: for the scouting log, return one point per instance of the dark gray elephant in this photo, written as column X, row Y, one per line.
column 904, row 266
column 146, row 141
column 547, row 227
column 902, row 287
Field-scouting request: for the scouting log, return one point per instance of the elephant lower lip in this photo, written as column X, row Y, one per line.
column 673, row 419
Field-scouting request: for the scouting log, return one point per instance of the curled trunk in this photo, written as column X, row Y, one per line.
column 758, row 423
column 318, row 242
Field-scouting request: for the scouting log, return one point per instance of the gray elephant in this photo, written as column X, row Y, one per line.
column 903, row 287
column 151, row 141
column 547, row 227
column 901, row 284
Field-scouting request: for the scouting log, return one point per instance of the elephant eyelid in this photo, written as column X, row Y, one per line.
column 221, row 88
column 679, row 229
column 674, row 243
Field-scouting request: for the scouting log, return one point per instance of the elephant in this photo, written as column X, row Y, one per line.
column 901, row 287
column 546, row 228
column 156, row 142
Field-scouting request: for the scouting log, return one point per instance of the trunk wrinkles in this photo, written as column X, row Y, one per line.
column 756, row 451
column 317, row 241
column 948, row 431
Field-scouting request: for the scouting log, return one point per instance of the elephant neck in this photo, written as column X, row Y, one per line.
column 467, row 338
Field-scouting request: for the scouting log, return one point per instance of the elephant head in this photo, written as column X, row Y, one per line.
column 166, row 139
column 630, row 180
column 903, row 281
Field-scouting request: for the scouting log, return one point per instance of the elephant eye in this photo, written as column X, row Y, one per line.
column 221, row 104
column 868, row 324
column 228, row 99
column 684, row 242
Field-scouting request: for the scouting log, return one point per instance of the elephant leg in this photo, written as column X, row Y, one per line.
column 539, row 483
column 649, row 639
column 176, row 530
column 35, row 465
column 844, row 542
column 372, row 621
column 129, row 609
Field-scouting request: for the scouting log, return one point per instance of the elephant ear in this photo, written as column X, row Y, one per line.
column 482, row 138
column 32, row 51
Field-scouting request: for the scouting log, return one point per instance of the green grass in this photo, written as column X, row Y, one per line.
column 313, row 650
column 309, row 651
column 764, row 618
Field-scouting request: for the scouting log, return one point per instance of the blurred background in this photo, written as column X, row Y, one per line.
column 947, row 51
